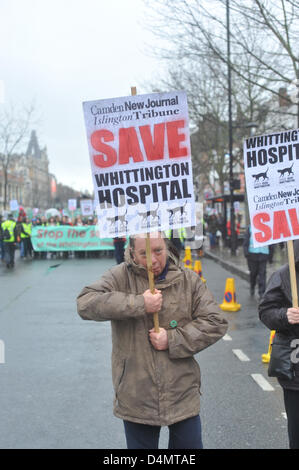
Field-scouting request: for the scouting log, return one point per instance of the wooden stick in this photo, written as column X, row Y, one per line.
column 151, row 278
column 149, row 256
column 292, row 273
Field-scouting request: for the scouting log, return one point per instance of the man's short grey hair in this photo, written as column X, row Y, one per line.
column 132, row 240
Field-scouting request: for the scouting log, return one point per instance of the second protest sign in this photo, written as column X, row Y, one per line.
column 271, row 165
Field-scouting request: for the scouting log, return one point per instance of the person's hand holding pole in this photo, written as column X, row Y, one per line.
column 293, row 315
column 152, row 302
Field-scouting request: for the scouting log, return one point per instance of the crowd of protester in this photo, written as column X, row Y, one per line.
column 213, row 227
column 16, row 234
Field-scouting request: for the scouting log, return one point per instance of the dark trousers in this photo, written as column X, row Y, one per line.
column 119, row 250
column 9, row 253
column 257, row 271
column 27, row 246
column 182, row 435
column 291, row 402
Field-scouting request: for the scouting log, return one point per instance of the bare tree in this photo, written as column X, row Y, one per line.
column 263, row 34
column 263, row 60
column 206, row 84
column 14, row 127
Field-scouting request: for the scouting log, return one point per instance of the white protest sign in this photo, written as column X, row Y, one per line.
column 72, row 204
column 86, row 207
column 271, row 165
column 13, row 204
column 140, row 157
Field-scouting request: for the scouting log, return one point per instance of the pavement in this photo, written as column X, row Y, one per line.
column 237, row 264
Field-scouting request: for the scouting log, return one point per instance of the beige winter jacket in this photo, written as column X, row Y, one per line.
column 154, row 387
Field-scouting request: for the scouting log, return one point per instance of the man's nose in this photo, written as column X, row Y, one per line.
column 154, row 258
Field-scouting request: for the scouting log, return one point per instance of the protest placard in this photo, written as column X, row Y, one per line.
column 72, row 204
column 140, row 158
column 271, row 165
column 86, row 206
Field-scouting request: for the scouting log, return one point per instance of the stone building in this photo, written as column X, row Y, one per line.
column 28, row 178
column 35, row 163
column 30, row 182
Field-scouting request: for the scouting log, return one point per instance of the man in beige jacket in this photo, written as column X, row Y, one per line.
column 155, row 376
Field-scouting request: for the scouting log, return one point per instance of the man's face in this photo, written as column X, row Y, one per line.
column 158, row 252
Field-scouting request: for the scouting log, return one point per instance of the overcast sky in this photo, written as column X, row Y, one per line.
column 59, row 53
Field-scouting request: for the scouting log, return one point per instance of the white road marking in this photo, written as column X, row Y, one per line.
column 227, row 338
column 284, row 415
column 262, row 382
column 240, row 355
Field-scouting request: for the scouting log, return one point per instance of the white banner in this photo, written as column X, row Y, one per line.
column 140, row 157
column 271, row 165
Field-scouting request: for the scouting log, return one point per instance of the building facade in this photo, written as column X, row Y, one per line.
column 28, row 178
column 30, row 183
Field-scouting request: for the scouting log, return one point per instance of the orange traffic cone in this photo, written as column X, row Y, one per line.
column 266, row 357
column 229, row 302
column 198, row 269
column 188, row 258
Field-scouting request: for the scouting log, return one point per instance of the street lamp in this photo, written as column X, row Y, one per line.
column 230, row 139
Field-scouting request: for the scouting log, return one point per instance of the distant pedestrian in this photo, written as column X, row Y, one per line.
column 25, row 234
column 1, row 240
column 257, row 259
column 276, row 311
column 35, row 222
column 9, row 237
column 177, row 237
column 119, row 249
column 213, row 227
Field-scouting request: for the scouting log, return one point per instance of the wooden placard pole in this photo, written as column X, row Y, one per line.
column 149, row 257
column 151, row 278
column 292, row 273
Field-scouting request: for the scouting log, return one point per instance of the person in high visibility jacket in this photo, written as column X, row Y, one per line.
column 1, row 240
column 9, row 236
column 25, row 235
column 177, row 237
